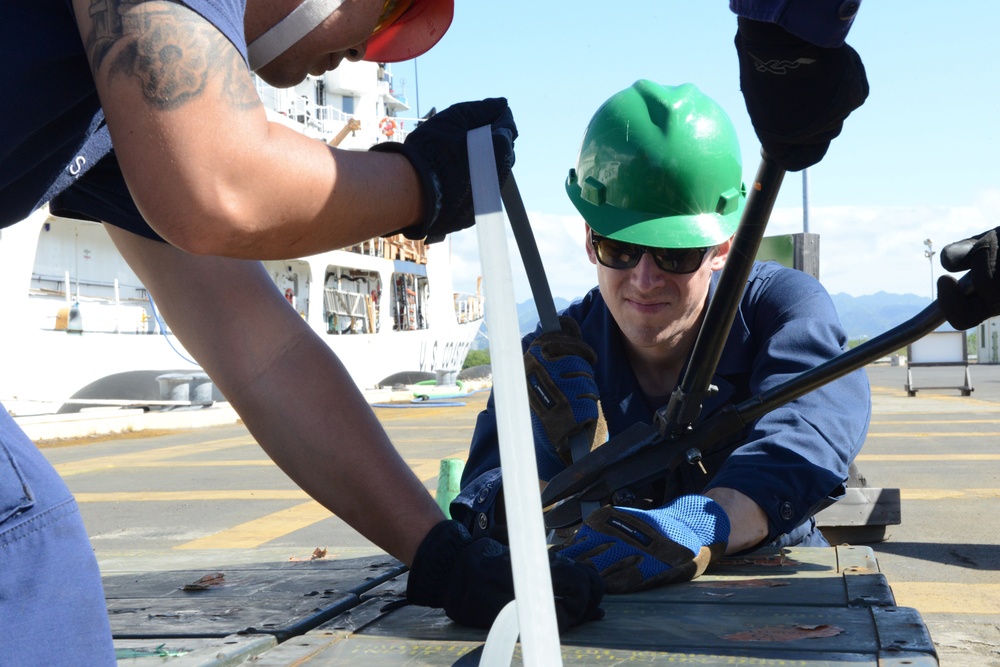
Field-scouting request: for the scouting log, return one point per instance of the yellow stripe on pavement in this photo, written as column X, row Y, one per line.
column 173, row 496
column 936, row 434
column 258, row 531
column 928, row 457
column 948, row 494
column 135, row 459
column 241, row 463
column 428, row 469
column 893, row 422
column 947, row 598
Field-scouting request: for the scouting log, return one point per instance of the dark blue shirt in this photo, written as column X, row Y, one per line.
column 792, row 462
column 54, row 145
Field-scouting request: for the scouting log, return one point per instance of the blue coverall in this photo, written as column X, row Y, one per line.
column 792, row 462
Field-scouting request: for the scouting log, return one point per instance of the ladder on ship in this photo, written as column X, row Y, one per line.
column 355, row 307
column 407, row 308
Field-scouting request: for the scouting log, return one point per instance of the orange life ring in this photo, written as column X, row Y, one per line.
column 289, row 295
column 388, row 126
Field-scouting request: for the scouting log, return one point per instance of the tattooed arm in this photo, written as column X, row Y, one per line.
column 207, row 170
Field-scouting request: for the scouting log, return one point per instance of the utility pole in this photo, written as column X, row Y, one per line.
column 416, row 85
column 929, row 254
column 805, row 201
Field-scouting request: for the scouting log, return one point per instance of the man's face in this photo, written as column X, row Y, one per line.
column 342, row 36
column 657, row 310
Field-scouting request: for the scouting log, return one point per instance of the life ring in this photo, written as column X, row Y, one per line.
column 289, row 295
column 388, row 126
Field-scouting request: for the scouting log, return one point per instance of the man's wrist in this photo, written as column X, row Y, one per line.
column 748, row 521
column 418, row 182
column 427, row 584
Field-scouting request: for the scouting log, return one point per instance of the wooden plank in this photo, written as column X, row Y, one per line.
column 730, row 629
column 855, row 559
column 144, row 618
column 224, row 652
column 281, row 599
column 863, row 507
column 239, row 583
column 901, row 631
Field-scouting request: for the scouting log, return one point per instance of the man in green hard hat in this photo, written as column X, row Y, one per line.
column 658, row 183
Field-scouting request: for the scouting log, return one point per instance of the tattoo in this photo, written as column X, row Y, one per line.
column 172, row 52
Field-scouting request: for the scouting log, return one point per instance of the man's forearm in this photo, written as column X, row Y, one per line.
column 335, row 448
column 291, row 391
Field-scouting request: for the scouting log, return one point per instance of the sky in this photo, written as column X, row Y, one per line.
column 918, row 161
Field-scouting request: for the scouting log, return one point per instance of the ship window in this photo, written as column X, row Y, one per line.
column 410, row 299
column 351, row 301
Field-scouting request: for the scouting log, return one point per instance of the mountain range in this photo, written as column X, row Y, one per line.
column 862, row 316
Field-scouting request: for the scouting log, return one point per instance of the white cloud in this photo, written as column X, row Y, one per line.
column 868, row 249
column 560, row 240
column 863, row 249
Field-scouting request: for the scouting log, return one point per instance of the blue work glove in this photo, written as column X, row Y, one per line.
column 472, row 580
column 978, row 255
column 438, row 150
column 797, row 94
column 638, row 549
column 562, row 394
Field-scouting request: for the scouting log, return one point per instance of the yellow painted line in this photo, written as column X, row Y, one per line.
column 948, row 494
column 205, row 464
column 419, row 439
column 134, row 459
column 928, row 457
column 942, row 598
column 891, row 422
column 936, row 434
column 428, row 469
column 173, row 496
column 258, row 531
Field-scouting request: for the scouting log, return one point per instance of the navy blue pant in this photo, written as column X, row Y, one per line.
column 52, row 608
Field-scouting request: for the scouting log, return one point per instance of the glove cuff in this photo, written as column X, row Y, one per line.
column 433, row 564
column 430, row 188
column 962, row 312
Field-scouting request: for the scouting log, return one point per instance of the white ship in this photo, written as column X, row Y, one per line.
column 72, row 312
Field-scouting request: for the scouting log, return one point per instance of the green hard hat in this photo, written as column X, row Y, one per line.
column 660, row 166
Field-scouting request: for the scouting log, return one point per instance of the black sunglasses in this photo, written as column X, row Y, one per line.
column 621, row 255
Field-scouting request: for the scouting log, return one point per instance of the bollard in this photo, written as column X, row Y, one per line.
column 202, row 389
column 446, row 377
column 74, row 322
column 174, row 387
column 449, row 483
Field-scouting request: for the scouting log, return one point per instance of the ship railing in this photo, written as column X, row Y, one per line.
column 348, row 312
column 468, row 307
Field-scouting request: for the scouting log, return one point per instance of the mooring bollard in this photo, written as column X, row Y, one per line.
column 202, row 389
column 174, row 386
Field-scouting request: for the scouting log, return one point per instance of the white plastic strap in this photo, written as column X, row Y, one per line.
column 500, row 643
column 289, row 30
column 532, row 580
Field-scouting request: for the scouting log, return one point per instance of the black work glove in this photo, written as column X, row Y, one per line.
column 472, row 580
column 978, row 255
column 563, row 396
column 437, row 149
column 797, row 94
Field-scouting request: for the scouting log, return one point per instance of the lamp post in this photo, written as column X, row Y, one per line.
column 929, row 254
